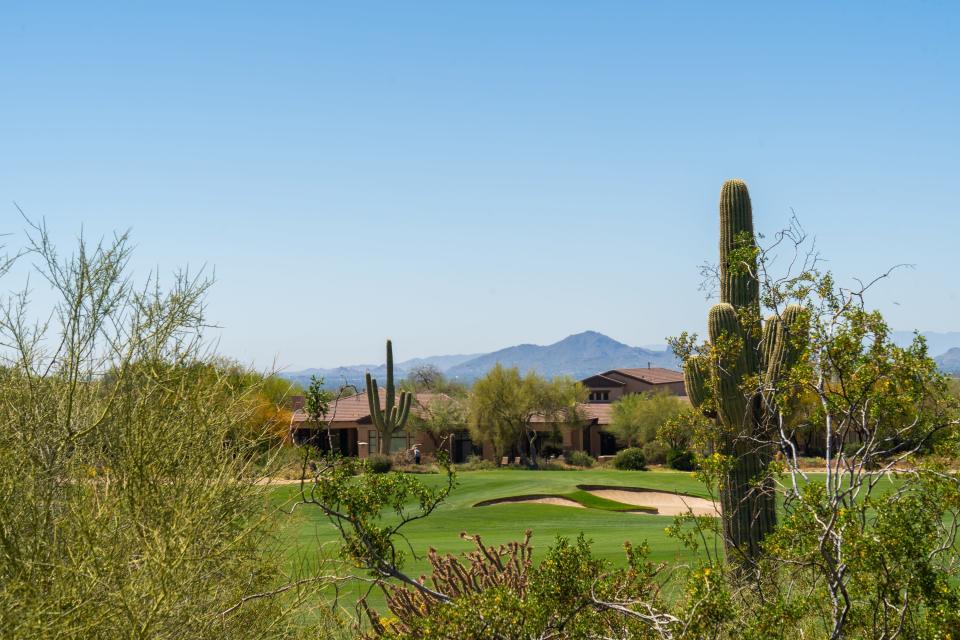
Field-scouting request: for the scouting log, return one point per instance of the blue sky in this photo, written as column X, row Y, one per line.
column 462, row 177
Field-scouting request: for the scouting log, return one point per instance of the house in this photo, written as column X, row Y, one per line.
column 352, row 432
column 612, row 385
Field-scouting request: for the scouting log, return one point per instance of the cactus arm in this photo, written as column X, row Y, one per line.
column 695, row 373
column 768, row 342
column 405, row 400
column 728, row 365
column 373, row 400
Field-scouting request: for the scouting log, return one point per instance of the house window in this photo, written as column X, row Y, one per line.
column 400, row 442
column 599, row 396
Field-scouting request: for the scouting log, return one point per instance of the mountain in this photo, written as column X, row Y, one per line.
column 356, row 374
column 936, row 342
column 949, row 362
column 578, row 356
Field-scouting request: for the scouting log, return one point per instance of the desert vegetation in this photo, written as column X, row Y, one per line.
column 138, row 469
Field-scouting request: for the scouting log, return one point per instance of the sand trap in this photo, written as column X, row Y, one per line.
column 533, row 499
column 666, row 504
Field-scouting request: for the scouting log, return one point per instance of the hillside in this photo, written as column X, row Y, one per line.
column 579, row 356
column 949, row 362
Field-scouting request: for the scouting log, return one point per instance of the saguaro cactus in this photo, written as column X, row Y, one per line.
column 730, row 381
column 393, row 416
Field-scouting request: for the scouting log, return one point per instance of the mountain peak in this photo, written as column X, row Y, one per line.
column 579, row 356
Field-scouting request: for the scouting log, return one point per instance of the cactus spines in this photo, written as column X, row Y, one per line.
column 742, row 351
column 728, row 366
column 393, row 417
column 696, row 374
column 738, row 263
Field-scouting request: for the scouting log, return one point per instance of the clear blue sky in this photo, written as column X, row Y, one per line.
column 463, row 178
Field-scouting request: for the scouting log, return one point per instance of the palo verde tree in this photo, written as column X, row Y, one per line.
column 727, row 378
column 504, row 407
column 393, row 416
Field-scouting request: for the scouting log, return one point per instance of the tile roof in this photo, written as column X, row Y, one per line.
column 590, row 412
column 650, row 375
column 600, row 380
column 356, row 409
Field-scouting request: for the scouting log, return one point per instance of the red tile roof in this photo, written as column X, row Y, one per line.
column 651, row 375
column 356, row 408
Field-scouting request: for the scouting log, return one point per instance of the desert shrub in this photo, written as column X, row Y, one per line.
column 551, row 465
column 655, row 452
column 681, row 460
column 551, row 451
column 630, row 460
column 129, row 505
column 476, row 463
column 379, row 463
column 579, row 459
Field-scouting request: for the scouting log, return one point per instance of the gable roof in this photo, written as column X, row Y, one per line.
column 650, row 375
column 601, row 380
column 355, row 408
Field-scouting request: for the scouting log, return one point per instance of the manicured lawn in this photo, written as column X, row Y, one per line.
column 601, row 522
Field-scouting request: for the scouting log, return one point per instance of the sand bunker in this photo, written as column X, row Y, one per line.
column 533, row 499
column 666, row 504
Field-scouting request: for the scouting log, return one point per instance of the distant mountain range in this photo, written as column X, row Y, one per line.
column 947, row 344
column 949, row 362
column 579, row 356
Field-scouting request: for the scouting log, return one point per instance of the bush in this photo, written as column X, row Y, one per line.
column 630, row 460
column 579, row 459
column 655, row 452
column 681, row 460
column 551, row 451
column 476, row 463
column 551, row 465
column 379, row 463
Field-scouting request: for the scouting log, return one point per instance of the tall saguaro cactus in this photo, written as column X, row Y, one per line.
column 730, row 381
column 393, row 416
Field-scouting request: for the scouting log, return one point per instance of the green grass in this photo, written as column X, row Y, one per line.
column 605, row 522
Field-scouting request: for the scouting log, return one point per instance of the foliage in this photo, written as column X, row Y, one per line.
column 439, row 416
column 681, row 431
column 631, row 459
column 429, row 379
column 128, row 501
column 655, row 452
column 579, row 459
column 379, row 463
column 476, row 463
column 636, row 417
column 501, row 593
column 504, row 404
column 681, row 459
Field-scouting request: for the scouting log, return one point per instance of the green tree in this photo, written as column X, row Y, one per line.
column 438, row 416
column 503, row 406
column 129, row 502
column 636, row 417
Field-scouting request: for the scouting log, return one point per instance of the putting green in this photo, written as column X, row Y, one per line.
column 608, row 524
